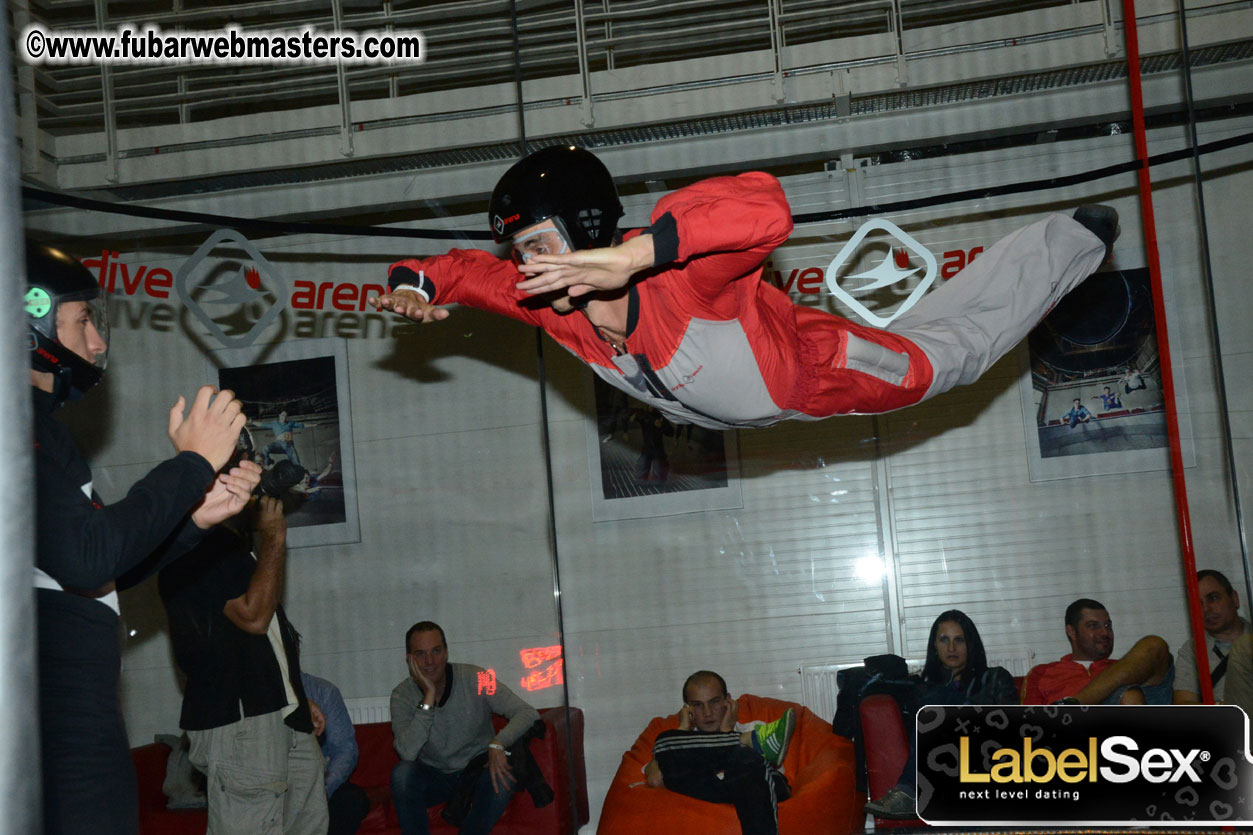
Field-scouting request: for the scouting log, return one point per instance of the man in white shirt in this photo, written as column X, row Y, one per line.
column 1219, row 606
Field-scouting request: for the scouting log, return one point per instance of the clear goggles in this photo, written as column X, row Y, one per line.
column 45, row 313
column 548, row 241
column 98, row 311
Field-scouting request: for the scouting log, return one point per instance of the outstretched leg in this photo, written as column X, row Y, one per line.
column 1147, row 666
column 955, row 333
column 721, row 768
column 975, row 318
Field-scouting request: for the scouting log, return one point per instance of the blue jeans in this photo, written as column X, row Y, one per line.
column 417, row 786
column 1154, row 694
column 909, row 774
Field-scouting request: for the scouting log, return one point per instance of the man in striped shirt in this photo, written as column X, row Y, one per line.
column 711, row 759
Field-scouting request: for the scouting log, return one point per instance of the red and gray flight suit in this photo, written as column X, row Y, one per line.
column 709, row 342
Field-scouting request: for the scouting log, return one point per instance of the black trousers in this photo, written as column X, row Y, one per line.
column 89, row 785
column 348, row 807
column 716, row 768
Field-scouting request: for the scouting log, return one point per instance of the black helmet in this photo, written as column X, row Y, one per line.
column 53, row 278
column 562, row 182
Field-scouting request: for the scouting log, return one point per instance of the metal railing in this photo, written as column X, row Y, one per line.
column 470, row 44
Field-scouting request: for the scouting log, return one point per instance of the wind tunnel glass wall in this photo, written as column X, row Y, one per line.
column 412, row 491
column 777, row 556
column 570, row 539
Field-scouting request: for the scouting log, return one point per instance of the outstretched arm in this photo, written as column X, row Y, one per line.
column 409, row 304
column 606, row 268
column 84, row 544
column 418, row 288
column 227, row 496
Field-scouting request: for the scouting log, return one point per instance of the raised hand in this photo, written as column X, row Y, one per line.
column 228, row 494
column 210, row 428
column 605, row 268
column 424, row 683
column 270, row 523
column 409, row 304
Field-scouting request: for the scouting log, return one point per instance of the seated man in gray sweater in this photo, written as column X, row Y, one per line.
column 441, row 719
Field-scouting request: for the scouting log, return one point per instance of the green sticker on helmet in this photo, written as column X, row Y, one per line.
column 38, row 302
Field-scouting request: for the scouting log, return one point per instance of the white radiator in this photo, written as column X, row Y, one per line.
column 818, row 687
column 373, row 709
column 1018, row 661
column 819, row 690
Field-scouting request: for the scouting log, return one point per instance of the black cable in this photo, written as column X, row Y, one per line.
column 280, row 226
column 73, row 201
column 1030, row 185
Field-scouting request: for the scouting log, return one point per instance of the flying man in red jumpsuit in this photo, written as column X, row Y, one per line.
column 677, row 315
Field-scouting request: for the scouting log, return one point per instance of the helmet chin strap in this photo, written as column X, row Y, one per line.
column 63, row 389
column 70, row 384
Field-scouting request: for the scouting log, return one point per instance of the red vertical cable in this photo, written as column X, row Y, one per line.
column 1163, row 350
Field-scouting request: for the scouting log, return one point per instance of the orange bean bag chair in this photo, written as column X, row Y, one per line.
column 818, row 765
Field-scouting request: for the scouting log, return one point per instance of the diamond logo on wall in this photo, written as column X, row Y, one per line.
column 232, row 289
column 852, row 287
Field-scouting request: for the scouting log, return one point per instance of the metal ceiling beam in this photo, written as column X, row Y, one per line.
column 682, row 157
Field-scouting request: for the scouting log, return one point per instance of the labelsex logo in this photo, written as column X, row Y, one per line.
column 1073, row 765
column 1041, row 765
column 887, row 273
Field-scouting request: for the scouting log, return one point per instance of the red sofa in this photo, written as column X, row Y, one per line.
column 819, row 767
column 559, row 755
column 887, row 748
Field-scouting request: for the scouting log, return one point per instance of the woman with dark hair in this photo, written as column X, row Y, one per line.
column 956, row 673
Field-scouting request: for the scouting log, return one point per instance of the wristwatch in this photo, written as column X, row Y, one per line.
column 423, row 706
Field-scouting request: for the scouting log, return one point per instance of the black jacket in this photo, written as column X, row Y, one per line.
column 526, row 774
column 230, row 673
column 83, row 543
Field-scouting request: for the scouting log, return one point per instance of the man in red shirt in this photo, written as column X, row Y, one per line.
column 678, row 315
column 1089, row 676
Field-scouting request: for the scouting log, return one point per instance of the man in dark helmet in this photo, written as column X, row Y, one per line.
column 678, row 316
column 86, row 550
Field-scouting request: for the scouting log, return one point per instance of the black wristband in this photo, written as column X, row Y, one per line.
column 665, row 234
column 404, row 275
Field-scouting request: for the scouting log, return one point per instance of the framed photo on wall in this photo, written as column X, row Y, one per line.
column 642, row 465
column 1091, row 391
column 296, row 397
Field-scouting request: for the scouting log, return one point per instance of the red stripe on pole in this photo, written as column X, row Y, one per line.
column 1163, row 350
